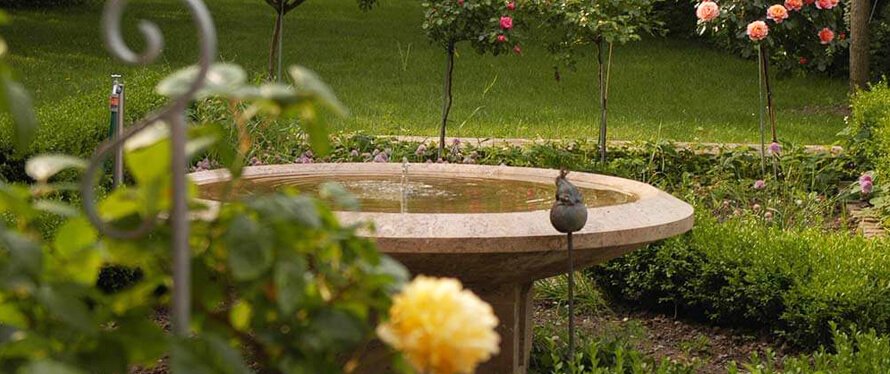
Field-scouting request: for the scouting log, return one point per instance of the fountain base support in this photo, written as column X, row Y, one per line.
column 514, row 306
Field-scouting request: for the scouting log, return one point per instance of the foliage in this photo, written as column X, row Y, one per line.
column 856, row 352
column 448, row 22
column 867, row 140
column 611, row 352
column 794, row 44
column 276, row 277
column 571, row 27
column 793, row 282
column 10, row 4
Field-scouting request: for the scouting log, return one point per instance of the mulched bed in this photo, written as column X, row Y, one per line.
column 710, row 348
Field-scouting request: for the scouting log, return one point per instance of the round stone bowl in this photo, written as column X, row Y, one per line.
column 497, row 254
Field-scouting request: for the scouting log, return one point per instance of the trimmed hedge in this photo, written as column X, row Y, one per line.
column 741, row 273
column 864, row 138
column 41, row 3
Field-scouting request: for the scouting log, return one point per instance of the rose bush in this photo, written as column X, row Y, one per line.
column 488, row 25
column 800, row 32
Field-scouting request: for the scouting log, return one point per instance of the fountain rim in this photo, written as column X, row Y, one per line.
column 653, row 216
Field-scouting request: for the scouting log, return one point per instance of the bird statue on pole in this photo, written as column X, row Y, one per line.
column 568, row 215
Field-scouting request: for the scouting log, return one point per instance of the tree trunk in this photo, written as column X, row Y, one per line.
column 446, row 104
column 274, row 49
column 601, row 76
column 859, row 69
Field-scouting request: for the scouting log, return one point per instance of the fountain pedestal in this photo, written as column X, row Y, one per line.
column 513, row 304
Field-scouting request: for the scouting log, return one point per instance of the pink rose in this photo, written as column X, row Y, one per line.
column 794, row 4
column 506, row 22
column 826, row 35
column 502, row 38
column 511, row 5
column 757, row 30
column 777, row 13
column 460, row 2
column 517, row 50
column 707, row 10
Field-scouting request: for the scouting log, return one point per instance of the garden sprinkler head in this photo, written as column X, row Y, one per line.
column 116, row 84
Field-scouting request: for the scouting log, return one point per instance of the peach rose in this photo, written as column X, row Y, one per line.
column 777, row 13
column 826, row 4
column 757, row 30
column 826, row 35
column 707, row 10
column 794, row 4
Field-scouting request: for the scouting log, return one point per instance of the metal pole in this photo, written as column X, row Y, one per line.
column 571, row 300
column 762, row 107
column 180, row 221
column 118, row 172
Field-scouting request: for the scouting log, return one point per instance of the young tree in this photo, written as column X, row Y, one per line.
column 282, row 8
column 574, row 26
column 801, row 28
column 488, row 26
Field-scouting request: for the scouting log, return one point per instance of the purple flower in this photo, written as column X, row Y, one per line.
column 759, row 184
column 775, row 148
column 381, row 157
column 421, row 150
column 353, row 153
column 756, row 207
column 255, row 161
column 866, row 184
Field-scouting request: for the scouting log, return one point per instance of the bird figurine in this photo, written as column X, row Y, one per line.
column 568, row 214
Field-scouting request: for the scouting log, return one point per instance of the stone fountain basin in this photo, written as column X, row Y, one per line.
column 498, row 247
column 499, row 255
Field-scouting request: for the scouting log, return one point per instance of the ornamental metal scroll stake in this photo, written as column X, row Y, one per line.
column 173, row 114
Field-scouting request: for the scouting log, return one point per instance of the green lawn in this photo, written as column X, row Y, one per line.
column 383, row 68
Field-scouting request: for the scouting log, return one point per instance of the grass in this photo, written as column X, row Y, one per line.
column 383, row 68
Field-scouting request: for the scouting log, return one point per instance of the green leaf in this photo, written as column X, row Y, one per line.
column 206, row 354
column 56, row 207
column 49, row 367
column 10, row 315
column 280, row 207
column 25, row 256
column 336, row 328
column 250, row 248
column 65, row 304
column 148, row 154
column 222, row 80
column 339, row 195
column 15, row 100
column 43, row 167
column 310, row 86
column 290, row 283
column 143, row 339
column 240, row 315
column 75, row 235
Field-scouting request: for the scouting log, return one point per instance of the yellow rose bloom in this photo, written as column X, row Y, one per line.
column 440, row 327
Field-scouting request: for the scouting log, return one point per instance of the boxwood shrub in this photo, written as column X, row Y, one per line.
column 739, row 272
